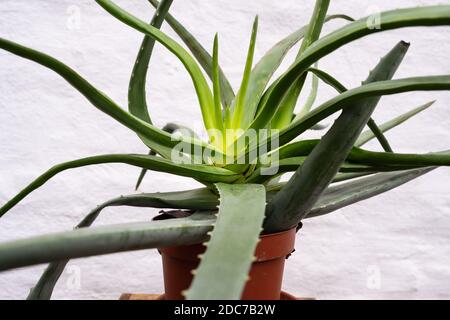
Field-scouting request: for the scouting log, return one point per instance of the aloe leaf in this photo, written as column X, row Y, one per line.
column 379, row 135
column 201, row 55
column 268, row 64
column 410, row 159
column 368, row 135
column 169, row 128
column 158, row 140
column 192, row 199
column 292, row 164
column 311, row 98
column 344, row 101
column 86, row 242
column 201, row 172
column 283, row 116
column 311, row 179
column 137, row 101
column 351, row 192
column 224, row 268
column 239, row 107
column 327, row 78
column 204, row 94
column 216, row 75
column 423, row 16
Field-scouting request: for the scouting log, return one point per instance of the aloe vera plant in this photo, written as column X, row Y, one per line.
column 254, row 136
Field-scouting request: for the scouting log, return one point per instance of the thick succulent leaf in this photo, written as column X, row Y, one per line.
column 311, row 179
column 158, row 140
column 137, row 100
column 216, row 75
column 199, row 199
column 170, row 128
column 409, row 159
column 379, row 135
column 357, row 155
column 345, row 100
column 240, row 108
column 292, row 164
column 85, row 242
column 311, row 98
column 200, row 172
column 201, row 55
column 423, row 16
column 368, row 135
column 268, row 64
column 203, row 91
column 351, row 192
column 327, row 78
column 224, row 268
column 283, row 117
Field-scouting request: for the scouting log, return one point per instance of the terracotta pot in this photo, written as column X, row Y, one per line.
column 266, row 273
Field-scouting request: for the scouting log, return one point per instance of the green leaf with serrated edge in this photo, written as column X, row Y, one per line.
column 199, row 199
column 201, row 55
column 239, row 107
column 86, row 242
column 268, row 64
column 327, row 78
column 292, row 164
column 202, row 89
column 158, row 140
column 200, row 172
column 311, row 179
column 368, row 135
column 137, row 101
column 230, row 250
column 357, row 155
column 351, row 192
column 284, row 113
column 345, row 100
column 423, row 16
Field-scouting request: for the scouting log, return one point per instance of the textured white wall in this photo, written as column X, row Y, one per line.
column 401, row 238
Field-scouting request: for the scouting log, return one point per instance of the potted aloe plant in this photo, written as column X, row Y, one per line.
column 241, row 225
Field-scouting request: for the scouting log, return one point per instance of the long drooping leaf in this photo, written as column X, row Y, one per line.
column 158, row 140
column 202, row 56
column 137, row 100
column 85, row 242
column 351, row 192
column 293, row 164
column 423, row 16
column 368, row 135
column 240, row 107
column 224, row 267
column 311, row 98
column 201, row 172
column 210, row 118
column 283, row 117
column 169, row 128
column 311, row 179
column 327, row 78
column 198, row 199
